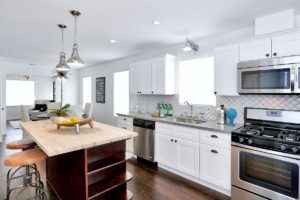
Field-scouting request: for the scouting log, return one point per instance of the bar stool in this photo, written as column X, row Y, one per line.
column 23, row 144
column 26, row 159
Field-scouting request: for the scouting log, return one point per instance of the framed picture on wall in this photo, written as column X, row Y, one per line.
column 100, row 90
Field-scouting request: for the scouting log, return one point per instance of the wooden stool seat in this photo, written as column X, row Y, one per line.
column 23, row 158
column 21, row 144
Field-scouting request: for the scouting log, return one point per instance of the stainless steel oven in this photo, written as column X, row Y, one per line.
column 262, row 174
column 269, row 76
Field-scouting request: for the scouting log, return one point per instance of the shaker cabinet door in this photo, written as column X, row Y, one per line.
column 226, row 59
column 286, row 45
column 256, row 49
column 215, row 165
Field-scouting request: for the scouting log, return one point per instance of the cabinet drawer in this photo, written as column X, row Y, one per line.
column 126, row 119
column 216, row 139
column 191, row 134
column 164, row 129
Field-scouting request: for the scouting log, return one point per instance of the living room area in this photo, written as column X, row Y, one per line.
column 31, row 92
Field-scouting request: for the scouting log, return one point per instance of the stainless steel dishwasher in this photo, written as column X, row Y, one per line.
column 143, row 145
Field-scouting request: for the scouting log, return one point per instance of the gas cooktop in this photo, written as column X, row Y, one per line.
column 273, row 135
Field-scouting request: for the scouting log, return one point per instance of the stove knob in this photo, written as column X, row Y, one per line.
column 295, row 149
column 283, row 147
column 250, row 141
column 241, row 140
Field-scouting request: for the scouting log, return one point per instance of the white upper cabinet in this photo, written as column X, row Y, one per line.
column 140, row 77
column 256, row 49
column 156, row 76
column 225, row 78
column 286, row 45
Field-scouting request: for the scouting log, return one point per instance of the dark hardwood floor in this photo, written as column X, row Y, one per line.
column 148, row 183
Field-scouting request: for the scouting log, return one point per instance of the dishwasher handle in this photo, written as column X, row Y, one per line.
column 144, row 123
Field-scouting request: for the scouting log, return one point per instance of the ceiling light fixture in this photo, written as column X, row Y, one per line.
column 190, row 46
column 75, row 59
column 113, row 41
column 156, row 22
column 62, row 65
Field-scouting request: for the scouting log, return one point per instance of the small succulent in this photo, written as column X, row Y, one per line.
column 62, row 111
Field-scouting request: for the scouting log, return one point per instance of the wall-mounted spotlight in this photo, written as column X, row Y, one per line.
column 190, row 46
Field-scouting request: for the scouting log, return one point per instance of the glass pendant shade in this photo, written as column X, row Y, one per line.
column 62, row 65
column 75, row 59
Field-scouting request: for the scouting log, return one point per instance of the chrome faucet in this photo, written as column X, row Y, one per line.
column 191, row 107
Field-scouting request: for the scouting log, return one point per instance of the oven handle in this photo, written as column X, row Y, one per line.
column 274, row 153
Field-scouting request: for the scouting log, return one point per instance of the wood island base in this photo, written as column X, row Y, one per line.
column 96, row 173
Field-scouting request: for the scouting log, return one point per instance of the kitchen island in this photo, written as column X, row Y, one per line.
column 89, row 165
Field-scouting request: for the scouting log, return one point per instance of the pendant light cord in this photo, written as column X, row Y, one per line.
column 62, row 39
column 75, row 33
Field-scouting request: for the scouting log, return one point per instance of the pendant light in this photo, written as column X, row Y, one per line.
column 75, row 59
column 62, row 65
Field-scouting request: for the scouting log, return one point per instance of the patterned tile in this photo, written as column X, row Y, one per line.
column 289, row 102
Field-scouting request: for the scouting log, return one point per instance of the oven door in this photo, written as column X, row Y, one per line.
column 265, row 174
column 271, row 79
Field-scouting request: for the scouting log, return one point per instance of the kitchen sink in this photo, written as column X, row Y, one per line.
column 188, row 120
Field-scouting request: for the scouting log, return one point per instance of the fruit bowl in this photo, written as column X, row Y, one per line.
column 72, row 122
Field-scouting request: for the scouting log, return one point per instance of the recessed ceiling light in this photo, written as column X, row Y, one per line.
column 156, row 22
column 113, row 41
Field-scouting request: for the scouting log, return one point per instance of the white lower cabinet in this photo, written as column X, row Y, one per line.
column 200, row 155
column 188, row 157
column 215, row 165
column 127, row 123
column 165, row 150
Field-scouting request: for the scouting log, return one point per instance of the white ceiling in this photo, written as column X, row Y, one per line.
column 28, row 30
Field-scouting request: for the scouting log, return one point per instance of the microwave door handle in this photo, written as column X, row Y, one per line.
column 293, row 75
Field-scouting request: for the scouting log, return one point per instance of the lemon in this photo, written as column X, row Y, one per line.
column 74, row 119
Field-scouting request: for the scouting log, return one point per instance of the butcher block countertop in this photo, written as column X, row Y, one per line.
column 54, row 142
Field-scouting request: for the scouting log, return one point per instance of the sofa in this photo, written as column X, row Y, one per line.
column 43, row 106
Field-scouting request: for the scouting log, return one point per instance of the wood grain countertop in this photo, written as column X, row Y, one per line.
column 54, row 142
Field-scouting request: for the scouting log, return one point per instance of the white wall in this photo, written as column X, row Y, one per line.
column 104, row 112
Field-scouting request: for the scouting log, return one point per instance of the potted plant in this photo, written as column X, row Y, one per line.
column 62, row 112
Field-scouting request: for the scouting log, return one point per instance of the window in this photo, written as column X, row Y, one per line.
column 86, row 90
column 121, row 92
column 19, row 92
column 196, row 81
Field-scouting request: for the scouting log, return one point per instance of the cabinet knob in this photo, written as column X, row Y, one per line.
column 171, row 140
column 275, row 54
column 215, row 92
column 124, row 119
column 214, row 151
column 176, row 141
column 152, row 92
column 267, row 55
column 214, row 136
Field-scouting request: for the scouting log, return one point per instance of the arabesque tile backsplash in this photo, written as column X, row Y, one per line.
column 289, row 102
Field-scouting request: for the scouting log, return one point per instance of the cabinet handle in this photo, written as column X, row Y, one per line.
column 176, row 141
column 171, row 140
column 275, row 54
column 214, row 151
column 267, row 55
column 214, row 136
column 215, row 92
column 124, row 119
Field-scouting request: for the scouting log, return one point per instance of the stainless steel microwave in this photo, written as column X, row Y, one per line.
column 269, row 76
